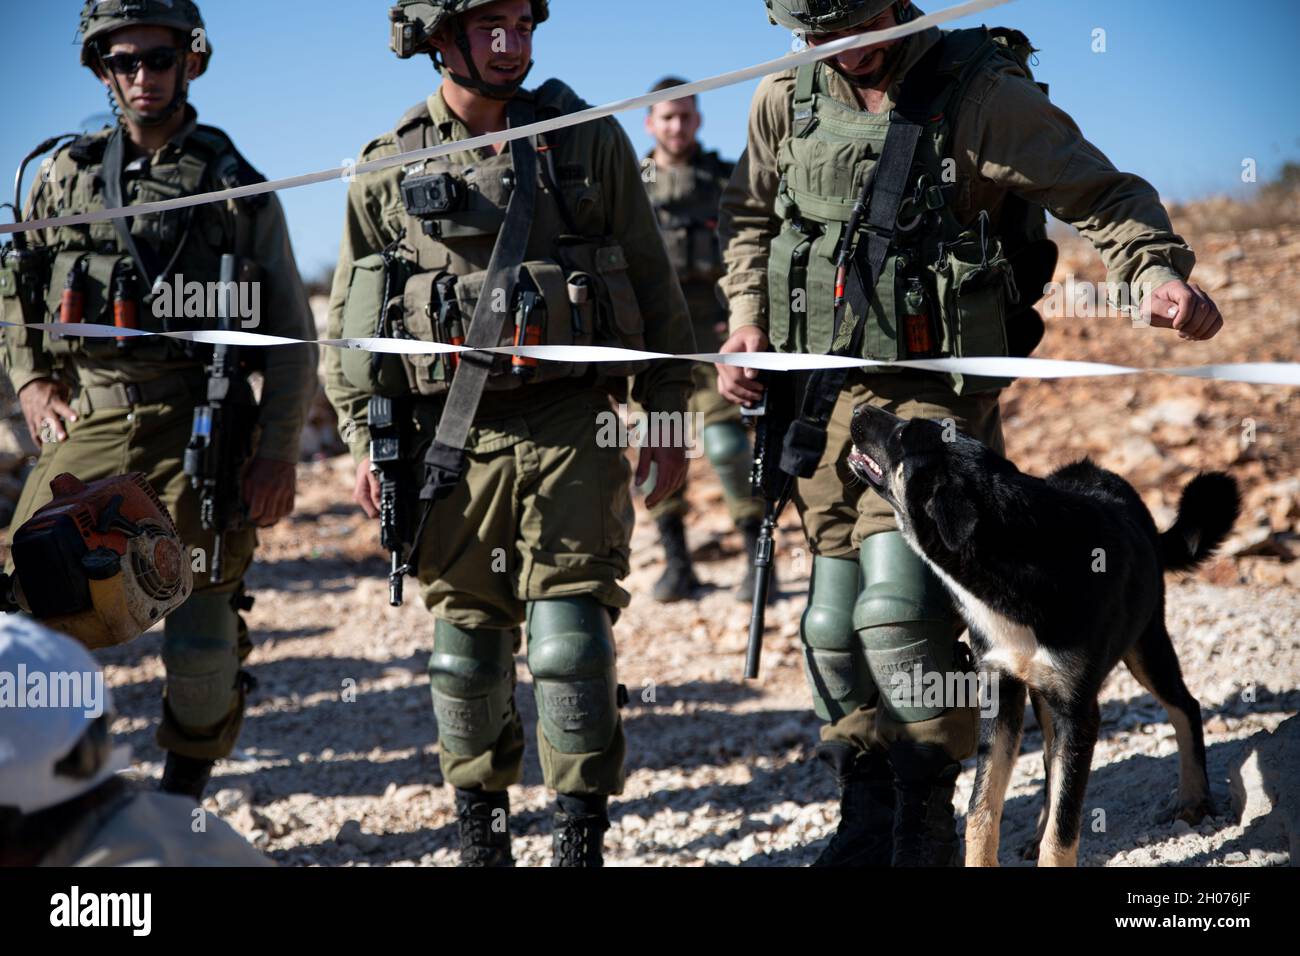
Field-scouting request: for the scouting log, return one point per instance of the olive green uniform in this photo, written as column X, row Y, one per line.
column 1006, row 139
column 538, row 528
column 135, row 405
column 686, row 200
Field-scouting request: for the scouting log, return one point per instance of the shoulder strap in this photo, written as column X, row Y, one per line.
column 112, row 177
column 410, row 128
column 803, row 106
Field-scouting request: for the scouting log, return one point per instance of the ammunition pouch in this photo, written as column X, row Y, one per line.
column 96, row 304
column 975, row 289
column 187, row 306
column 24, row 276
column 693, row 248
column 582, row 298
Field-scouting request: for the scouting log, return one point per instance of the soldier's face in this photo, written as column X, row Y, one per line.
column 866, row 64
column 674, row 126
column 500, row 41
column 147, row 91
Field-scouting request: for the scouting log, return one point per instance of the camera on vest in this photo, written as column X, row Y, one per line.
column 431, row 197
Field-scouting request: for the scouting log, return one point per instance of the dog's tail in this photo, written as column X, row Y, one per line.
column 1206, row 513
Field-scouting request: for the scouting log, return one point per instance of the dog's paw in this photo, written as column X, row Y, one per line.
column 1190, row 812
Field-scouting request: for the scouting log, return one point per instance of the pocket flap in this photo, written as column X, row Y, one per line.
column 548, row 279
column 416, row 316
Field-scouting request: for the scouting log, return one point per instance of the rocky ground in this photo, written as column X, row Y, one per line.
column 338, row 759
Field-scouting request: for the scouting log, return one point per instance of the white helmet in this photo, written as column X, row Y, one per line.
column 54, row 714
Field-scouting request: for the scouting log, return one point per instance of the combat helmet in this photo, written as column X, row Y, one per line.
column 101, row 18
column 824, row 16
column 414, row 22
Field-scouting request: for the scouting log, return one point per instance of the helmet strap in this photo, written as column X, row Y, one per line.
column 160, row 118
column 475, row 81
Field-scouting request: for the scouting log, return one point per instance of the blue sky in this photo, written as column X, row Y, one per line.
column 1184, row 92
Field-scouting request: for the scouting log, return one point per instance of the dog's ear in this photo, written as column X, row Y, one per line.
column 953, row 513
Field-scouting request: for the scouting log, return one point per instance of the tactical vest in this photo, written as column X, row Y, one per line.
column 686, row 200
column 946, row 289
column 188, row 243
column 573, row 289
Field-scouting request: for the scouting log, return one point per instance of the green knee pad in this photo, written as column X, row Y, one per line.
column 472, row 680
column 904, row 621
column 837, row 674
column 726, row 445
column 571, row 656
column 201, row 655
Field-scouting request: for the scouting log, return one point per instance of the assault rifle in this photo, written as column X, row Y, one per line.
column 391, row 458
column 221, row 438
column 772, row 418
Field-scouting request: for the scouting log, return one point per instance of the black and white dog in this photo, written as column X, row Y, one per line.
column 1059, row 579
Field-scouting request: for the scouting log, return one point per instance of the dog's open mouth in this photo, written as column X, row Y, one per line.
column 864, row 466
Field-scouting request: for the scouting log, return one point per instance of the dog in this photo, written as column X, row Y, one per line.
column 1058, row 579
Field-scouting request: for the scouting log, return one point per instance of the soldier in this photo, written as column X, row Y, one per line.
column 100, row 406
column 61, row 801
column 536, row 529
column 948, row 259
column 685, row 185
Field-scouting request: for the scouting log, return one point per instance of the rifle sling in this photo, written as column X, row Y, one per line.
column 113, row 155
column 445, row 461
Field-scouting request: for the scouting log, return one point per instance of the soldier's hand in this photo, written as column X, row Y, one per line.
column 670, row 471
column 269, row 488
column 1184, row 307
column 741, row 385
column 366, row 490
column 45, row 408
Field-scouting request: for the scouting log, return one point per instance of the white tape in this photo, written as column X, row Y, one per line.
column 1256, row 373
column 789, row 61
column 1259, row 373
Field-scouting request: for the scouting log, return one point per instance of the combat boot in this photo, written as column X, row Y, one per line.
column 186, row 776
column 925, row 830
column 678, row 582
column 865, row 834
column 484, row 820
column 745, row 589
column 580, row 824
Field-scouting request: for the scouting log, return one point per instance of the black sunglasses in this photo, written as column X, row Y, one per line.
column 158, row 60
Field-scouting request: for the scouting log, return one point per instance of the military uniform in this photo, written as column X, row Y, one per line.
column 685, row 199
column 135, row 399
column 873, row 606
column 538, row 527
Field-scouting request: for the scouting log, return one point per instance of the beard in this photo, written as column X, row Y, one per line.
column 878, row 76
